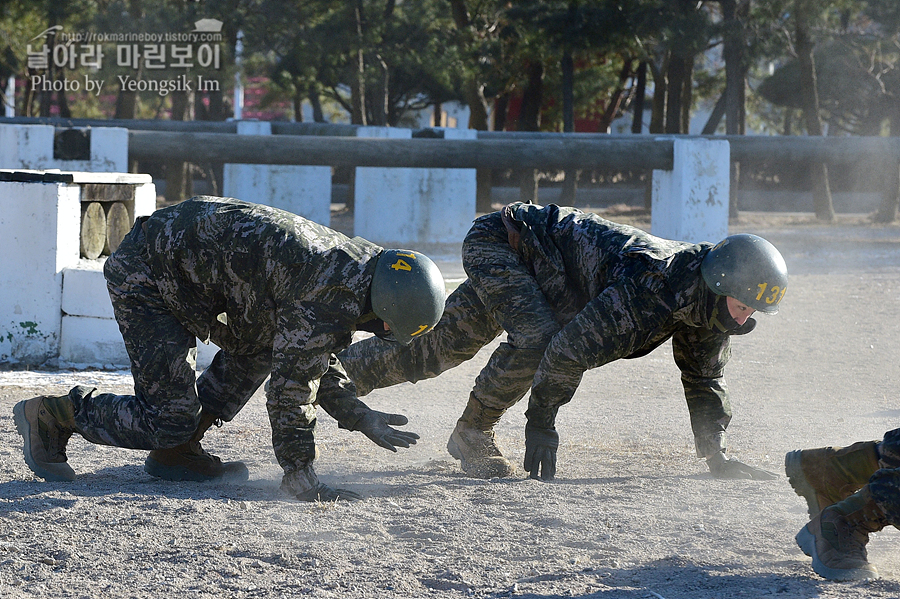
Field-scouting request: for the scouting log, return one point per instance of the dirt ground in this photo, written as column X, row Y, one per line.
column 633, row 514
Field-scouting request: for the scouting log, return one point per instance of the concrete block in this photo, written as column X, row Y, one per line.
column 411, row 206
column 109, row 151
column 31, row 147
column 690, row 202
column 443, row 202
column 26, row 146
column 39, row 231
column 144, row 199
column 303, row 190
column 92, row 341
column 84, row 290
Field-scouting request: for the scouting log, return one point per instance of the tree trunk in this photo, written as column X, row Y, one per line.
column 640, row 92
column 297, row 104
column 478, row 113
column 660, row 87
column 316, row 103
column 735, row 90
column 358, row 84
column 890, row 192
column 178, row 184
column 675, row 77
column 809, row 99
column 715, row 117
column 687, row 95
column 530, row 120
column 500, row 107
column 570, row 180
column 126, row 104
column 216, row 110
column 615, row 100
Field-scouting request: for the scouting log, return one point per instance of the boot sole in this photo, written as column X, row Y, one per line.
column 807, row 543
column 238, row 473
column 794, row 470
column 23, row 427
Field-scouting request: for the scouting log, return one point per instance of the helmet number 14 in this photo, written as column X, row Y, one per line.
column 401, row 264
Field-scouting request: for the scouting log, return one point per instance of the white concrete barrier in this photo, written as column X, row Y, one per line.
column 303, row 190
column 54, row 304
column 410, row 206
column 31, row 147
column 690, row 202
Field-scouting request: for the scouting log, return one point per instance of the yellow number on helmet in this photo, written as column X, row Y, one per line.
column 413, row 256
column 401, row 265
column 422, row 329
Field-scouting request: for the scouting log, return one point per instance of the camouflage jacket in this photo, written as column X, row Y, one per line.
column 619, row 292
column 245, row 275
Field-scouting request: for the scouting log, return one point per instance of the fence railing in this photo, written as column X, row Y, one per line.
column 327, row 144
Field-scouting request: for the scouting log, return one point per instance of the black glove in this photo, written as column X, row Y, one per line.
column 304, row 485
column 540, row 452
column 722, row 467
column 325, row 493
column 377, row 427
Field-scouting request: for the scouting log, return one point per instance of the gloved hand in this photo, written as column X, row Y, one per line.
column 304, row 485
column 377, row 427
column 540, row 452
column 722, row 467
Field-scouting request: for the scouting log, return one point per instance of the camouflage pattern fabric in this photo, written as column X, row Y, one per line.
column 885, row 483
column 575, row 293
column 277, row 293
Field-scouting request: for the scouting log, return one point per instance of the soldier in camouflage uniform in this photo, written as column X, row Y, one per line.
column 279, row 295
column 573, row 292
column 850, row 492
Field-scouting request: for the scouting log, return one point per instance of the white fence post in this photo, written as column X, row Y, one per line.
column 31, row 147
column 413, row 206
column 303, row 190
column 690, row 202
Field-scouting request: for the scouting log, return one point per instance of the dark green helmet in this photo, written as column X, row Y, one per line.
column 407, row 293
column 749, row 269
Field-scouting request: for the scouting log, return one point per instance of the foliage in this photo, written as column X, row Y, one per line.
column 403, row 55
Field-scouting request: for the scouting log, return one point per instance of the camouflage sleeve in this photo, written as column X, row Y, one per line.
column 337, row 396
column 701, row 356
column 612, row 325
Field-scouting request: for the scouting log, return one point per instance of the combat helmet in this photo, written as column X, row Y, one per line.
column 749, row 269
column 407, row 293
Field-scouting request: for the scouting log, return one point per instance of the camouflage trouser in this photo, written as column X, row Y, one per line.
column 499, row 295
column 885, row 483
column 164, row 410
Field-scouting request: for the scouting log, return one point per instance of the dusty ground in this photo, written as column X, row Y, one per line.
column 633, row 514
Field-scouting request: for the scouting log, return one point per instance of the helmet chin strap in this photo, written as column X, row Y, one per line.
column 720, row 319
column 370, row 323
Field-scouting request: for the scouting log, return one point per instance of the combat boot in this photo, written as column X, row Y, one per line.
column 836, row 539
column 189, row 461
column 46, row 423
column 472, row 442
column 827, row 475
